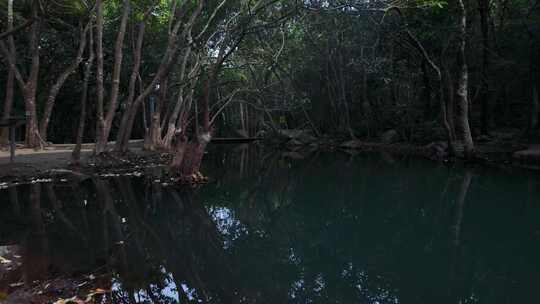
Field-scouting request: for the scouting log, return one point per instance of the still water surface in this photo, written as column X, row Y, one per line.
column 328, row 228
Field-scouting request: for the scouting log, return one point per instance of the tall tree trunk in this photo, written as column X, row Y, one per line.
column 137, row 52
column 76, row 155
column 60, row 82
column 450, row 104
column 483, row 7
column 28, row 86
column 463, row 84
column 174, row 122
column 30, row 89
column 100, row 125
column 10, row 82
column 101, row 144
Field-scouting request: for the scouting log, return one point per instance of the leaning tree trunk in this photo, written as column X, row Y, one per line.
column 51, row 99
column 137, row 53
column 76, row 155
column 106, row 123
column 463, row 85
column 173, row 120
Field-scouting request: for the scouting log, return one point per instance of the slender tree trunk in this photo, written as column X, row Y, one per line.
column 173, row 121
column 484, row 94
column 101, row 145
column 76, row 155
column 10, row 82
column 100, row 125
column 30, row 89
column 8, row 105
column 450, row 103
column 132, row 80
column 28, row 86
column 463, row 84
column 60, row 82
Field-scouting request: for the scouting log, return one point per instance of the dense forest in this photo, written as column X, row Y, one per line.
column 178, row 73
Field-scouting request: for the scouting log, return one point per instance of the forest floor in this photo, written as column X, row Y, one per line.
column 55, row 161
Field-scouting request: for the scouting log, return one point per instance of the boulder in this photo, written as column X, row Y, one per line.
column 531, row 155
column 437, row 150
column 390, row 137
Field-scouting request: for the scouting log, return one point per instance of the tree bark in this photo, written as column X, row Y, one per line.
column 10, row 82
column 30, row 88
column 99, row 76
column 463, row 84
column 134, row 76
column 450, row 103
column 153, row 136
column 76, row 155
column 484, row 93
column 179, row 106
column 53, row 92
column 106, row 123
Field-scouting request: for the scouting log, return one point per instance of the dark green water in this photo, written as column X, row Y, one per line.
column 325, row 229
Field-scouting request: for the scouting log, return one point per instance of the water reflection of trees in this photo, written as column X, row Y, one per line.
column 157, row 244
column 371, row 231
column 275, row 230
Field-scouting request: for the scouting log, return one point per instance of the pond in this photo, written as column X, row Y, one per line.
column 284, row 228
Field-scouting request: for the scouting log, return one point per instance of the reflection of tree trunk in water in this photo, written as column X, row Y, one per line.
column 76, row 155
column 216, row 275
column 109, row 212
column 35, row 248
column 14, row 199
column 53, row 200
column 105, row 199
column 460, row 203
column 128, row 195
column 456, row 233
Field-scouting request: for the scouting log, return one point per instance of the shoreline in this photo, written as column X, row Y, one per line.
column 54, row 163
